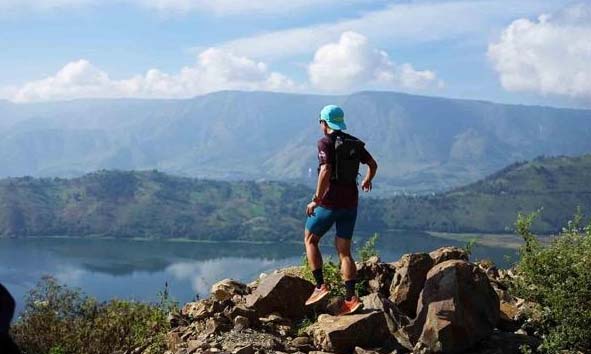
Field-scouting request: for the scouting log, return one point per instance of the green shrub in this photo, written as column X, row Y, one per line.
column 61, row 320
column 558, row 277
column 368, row 249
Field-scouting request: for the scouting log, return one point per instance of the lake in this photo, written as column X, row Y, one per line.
column 131, row 269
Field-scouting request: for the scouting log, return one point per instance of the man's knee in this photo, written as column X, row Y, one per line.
column 310, row 238
column 343, row 247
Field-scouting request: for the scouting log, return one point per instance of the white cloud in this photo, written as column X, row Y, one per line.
column 217, row 7
column 551, row 55
column 415, row 22
column 233, row 7
column 353, row 63
column 214, row 70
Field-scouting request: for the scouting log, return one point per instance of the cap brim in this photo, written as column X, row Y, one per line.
column 336, row 126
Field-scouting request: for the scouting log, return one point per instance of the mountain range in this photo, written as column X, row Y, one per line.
column 421, row 143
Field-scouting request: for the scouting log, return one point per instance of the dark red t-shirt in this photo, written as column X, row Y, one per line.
column 338, row 195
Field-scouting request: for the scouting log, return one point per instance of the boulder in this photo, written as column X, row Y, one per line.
column 281, row 293
column 377, row 275
column 457, row 308
column 227, row 289
column 201, row 309
column 443, row 254
column 341, row 334
column 508, row 317
column 395, row 319
column 408, row 281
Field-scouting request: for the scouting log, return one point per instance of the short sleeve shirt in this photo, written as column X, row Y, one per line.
column 338, row 195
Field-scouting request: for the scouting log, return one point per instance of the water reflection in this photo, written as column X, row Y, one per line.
column 139, row 269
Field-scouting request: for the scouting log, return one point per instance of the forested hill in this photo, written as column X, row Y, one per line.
column 554, row 185
column 150, row 204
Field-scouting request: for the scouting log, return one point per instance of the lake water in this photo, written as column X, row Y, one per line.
column 139, row 269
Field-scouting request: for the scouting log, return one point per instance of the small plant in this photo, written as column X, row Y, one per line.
column 368, row 250
column 469, row 247
column 303, row 325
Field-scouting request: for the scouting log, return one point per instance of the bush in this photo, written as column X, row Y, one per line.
column 558, row 277
column 61, row 320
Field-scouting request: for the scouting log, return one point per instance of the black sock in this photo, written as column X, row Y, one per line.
column 318, row 276
column 350, row 289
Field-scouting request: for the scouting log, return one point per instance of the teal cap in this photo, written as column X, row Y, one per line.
column 334, row 117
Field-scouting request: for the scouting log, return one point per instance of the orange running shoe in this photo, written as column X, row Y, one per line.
column 350, row 306
column 318, row 294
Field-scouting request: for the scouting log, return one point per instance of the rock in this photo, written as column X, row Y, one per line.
column 508, row 315
column 504, row 343
column 217, row 324
column 241, row 310
column 201, row 309
column 443, row 254
column 359, row 350
column 249, row 349
column 241, row 322
column 395, row 319
column 408, row 281
column 334, row 305
column 227, row 288
column 282, row 293
column 341, row 334
column 457, row 308
column 303, row 344
column 377, row 275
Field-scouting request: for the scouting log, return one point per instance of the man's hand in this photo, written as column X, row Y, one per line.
column 366, row 185
column 310, row 208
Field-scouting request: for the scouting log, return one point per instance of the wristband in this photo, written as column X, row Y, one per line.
column 316, row 199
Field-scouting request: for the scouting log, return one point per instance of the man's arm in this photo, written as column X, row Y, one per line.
column 323, row 180
column 371, row 173
column 321, row 187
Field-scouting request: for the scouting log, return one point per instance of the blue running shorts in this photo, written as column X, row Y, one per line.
column 323, row 219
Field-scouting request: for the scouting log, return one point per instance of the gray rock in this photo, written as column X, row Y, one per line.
column 458, row 307
column 408, row 281
column 443, row 254
column 395, row 319
column 241, row 322
column 227, row 288
column 341, row 334
column 249, row 349
column 281, row 293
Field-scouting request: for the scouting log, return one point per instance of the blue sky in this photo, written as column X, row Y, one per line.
column 526, row 51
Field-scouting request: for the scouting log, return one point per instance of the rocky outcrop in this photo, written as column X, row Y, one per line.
column 460, row 307
column 457, row 308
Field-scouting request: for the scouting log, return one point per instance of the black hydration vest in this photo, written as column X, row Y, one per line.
column 347, row 156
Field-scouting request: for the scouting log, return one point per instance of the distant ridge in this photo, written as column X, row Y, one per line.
column 422, row 143
column 153, row 205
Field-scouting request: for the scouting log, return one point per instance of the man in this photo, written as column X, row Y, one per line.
column 335, row 202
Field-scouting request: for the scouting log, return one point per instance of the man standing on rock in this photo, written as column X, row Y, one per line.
column 335, row 201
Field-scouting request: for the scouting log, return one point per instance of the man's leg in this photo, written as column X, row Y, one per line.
column 348, row 267
column 314, row 256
